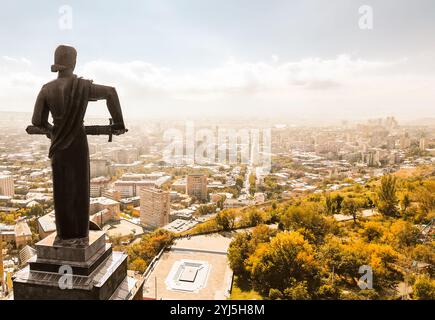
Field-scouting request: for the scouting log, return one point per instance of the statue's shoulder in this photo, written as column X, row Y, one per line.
column 50, row 83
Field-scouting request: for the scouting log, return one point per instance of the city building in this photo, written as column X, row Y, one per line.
column 154, row 207
column 422, row 144
column 129, row 185
column 102, row 203
column 7, row 185
column 46, row 225
column 98, row 185
column 23, row 235
column 98, row 167
column 179, row 185
column 112, row 194
column 197, row 186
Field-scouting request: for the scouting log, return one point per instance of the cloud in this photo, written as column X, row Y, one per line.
column 21, row 60
column 233, row 77
column 313, row 86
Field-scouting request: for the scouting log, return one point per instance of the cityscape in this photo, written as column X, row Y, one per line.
column 216, row 159
column 181, row 224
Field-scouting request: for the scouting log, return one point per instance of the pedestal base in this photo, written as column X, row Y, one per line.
column 97, row 273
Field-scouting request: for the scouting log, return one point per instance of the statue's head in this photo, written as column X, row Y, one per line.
column 64, row 58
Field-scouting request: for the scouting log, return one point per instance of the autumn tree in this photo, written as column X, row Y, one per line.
column 254, row 217
column 424, row 288
column 372, row 230
column 386, row 196
column 287, row 259
column 307, row 217
column 226, row 219
column 351, row 207
column 405, row 203
column 243, row 245
column 404, row 233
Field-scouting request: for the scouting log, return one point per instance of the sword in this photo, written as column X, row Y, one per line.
column 90, row 130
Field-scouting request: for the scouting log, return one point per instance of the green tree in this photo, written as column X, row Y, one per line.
column 405, row 203
column 239, row 250
column 338, row 200
column 424, row 288
column 36, row 210
column 329, row 204
column 387, row 199
column 298, row 291
column 351, row 207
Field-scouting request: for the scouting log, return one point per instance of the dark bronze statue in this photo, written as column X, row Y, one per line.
column 66, row 98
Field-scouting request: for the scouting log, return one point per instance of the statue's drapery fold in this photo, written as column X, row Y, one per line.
column 65, row 131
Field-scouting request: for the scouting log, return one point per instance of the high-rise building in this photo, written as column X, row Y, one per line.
column 99, row 167
column 154, row 207
column 197, row 186
column 7, row 186
column 422, row 144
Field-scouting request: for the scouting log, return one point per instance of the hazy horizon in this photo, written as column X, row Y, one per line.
column 299, row 59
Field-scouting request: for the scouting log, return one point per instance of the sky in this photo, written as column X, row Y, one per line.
column 181, row 58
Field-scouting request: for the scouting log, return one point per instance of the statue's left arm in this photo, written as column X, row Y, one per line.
column 100, row 92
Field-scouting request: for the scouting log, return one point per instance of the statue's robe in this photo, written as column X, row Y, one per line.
column 67, row 100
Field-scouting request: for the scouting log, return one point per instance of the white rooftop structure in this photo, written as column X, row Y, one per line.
column 188, row 275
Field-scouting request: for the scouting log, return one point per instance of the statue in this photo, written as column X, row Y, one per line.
column 66, row 98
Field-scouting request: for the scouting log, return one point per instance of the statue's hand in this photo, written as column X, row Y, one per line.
column 118, row 129
column 119, row 132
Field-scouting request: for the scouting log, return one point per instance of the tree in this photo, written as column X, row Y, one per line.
column 424, row 253
column 372, row 230
column 405, row 203
column 275, row 294
column 387, row 199
column 307, row 217
column 338, row 199
column 351, row 207
column 239, row 250
column 329, row 204
column 424, row 288
column 226, row 219
column 138, row 264
column 36, row 210
column 287, row 259
column 404, row 233
column 297, row 291
column 254, row 217
column 328, row 292
column 346, row 258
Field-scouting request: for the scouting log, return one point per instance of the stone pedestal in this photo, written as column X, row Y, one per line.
column 97, row 272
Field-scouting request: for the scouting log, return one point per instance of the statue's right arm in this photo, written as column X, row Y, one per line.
column 100, row 92
column 40, row 112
